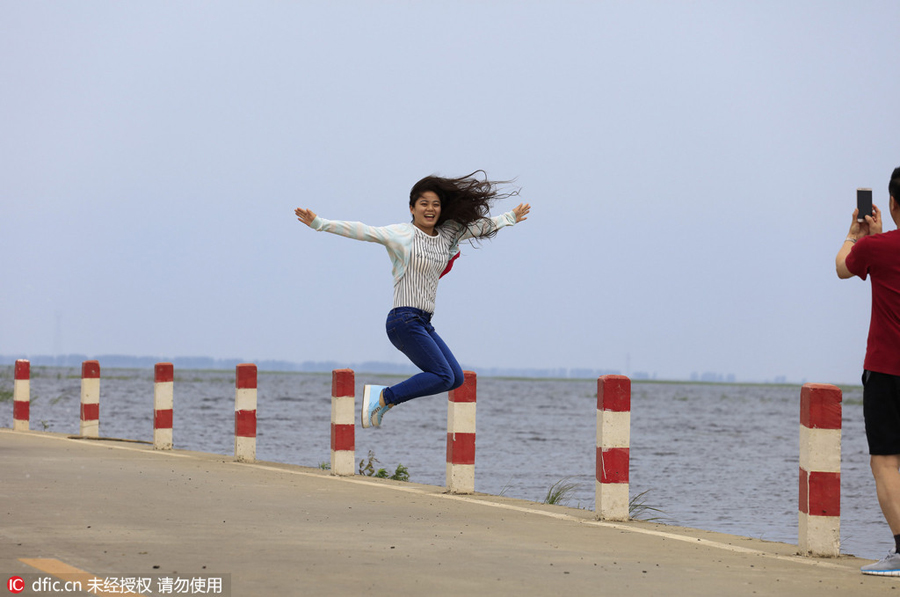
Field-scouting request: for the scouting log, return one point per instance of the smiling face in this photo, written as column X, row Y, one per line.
column 426, row 211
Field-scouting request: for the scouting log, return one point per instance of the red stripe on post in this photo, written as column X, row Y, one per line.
column 614, row 393
column 162, row 419
column 342, row 383
column 163, row 372
column 467, row 391
column 90, row 412
column 245, row 423
column 246, row 377
column 90, row 370
column 21, row 410
column 612, row 465
column 23, row 370
column 461, row 448
column 824, row 494
column 820, row 406
column 343, row 437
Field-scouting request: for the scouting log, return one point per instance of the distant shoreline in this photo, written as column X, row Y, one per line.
column 381, row 368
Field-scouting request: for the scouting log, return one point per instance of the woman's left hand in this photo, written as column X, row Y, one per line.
column 521, row 211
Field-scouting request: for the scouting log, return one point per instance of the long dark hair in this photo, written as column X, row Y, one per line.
column 464, row 200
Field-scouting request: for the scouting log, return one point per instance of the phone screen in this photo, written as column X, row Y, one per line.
column 864, row 203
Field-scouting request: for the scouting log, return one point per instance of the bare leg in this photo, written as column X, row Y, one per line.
column 886, row 470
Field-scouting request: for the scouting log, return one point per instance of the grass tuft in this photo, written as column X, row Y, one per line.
column 560, row 492
column 367, row 468
column 638, row 509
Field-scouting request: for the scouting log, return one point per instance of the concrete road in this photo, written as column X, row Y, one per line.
column 122, row 510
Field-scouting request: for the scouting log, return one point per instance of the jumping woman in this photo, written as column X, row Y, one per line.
column 445, row 212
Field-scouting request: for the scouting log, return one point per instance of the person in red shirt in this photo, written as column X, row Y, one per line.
column 869, row 252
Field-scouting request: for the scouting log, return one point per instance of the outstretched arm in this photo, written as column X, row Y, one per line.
column 385, row 235
column 488, row 225
column 858, row 230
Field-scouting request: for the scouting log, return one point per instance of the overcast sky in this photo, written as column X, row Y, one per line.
column 691, row 166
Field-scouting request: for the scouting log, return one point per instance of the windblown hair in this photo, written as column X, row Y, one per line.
column 464, row 200
column 894, row 186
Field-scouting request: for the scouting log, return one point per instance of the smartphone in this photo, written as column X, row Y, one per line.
column 864, row 204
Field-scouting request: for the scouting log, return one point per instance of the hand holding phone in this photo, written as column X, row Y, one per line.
column 863, row 204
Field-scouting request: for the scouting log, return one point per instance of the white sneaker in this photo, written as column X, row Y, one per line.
column 889, row 565
column 371, row 412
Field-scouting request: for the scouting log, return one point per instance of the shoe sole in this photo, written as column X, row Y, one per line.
column 881, row 572
column 364, row 413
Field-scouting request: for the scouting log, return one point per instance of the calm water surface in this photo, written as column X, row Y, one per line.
column 717, row 457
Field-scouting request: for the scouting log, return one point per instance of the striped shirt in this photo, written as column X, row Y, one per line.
column 427, row 259
column 418, row 259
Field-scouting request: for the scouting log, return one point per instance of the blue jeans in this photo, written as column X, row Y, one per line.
column 410, row 331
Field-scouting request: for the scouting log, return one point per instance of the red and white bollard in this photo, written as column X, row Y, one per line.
column 22, row 395
column 613, row 446
column 820, row 470
column 343, row 428
column 461, row 436
column 90, row 399
column 163, row 405
column 245, row 413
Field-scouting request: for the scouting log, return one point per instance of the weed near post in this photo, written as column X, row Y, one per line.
column 367, row 469
column 561, row 492
column 638, row 507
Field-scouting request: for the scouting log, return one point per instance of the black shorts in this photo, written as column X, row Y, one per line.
column 881, row 409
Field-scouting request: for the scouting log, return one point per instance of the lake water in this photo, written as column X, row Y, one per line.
column 710, row 456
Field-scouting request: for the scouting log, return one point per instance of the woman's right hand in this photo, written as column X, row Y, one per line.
column 305, row 215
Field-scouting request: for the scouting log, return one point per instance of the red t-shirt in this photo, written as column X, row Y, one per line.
column 879, row 256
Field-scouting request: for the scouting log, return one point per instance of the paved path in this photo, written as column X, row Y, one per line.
column 118, row 509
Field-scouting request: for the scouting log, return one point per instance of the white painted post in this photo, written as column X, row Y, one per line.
column 90, row 399
column 820, row 470
column 461, row 436
column 22, row 395
column 245, row 413
column 343, row 428
column 613, row 446
column 163, row 405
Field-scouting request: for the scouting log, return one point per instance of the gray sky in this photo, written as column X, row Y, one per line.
column 692, row 169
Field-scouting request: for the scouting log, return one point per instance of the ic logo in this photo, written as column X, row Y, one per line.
column 15, row 584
